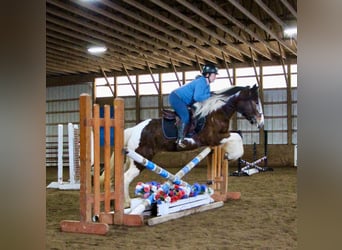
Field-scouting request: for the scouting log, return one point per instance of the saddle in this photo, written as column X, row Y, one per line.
column 171, row 120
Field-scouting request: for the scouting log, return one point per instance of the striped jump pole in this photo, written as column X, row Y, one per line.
column 187, row 168
column 176, row 179
column 254, row 163
column 155, row 168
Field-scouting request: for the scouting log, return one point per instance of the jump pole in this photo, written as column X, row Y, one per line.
column 188, row 206
column 176, row 179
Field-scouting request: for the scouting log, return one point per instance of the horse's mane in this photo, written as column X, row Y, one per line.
column 215, row 101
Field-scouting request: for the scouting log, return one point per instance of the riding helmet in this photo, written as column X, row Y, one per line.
column 209, row 68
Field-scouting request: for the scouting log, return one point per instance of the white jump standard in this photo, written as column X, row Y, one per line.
column 73, row 152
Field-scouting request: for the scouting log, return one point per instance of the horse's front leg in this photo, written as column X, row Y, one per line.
column 233, row 146
column 129, row 175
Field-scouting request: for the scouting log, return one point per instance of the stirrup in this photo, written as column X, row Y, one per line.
column 180, row 144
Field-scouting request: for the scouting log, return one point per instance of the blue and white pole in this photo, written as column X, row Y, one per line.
column 176, row 179
column 154, row 167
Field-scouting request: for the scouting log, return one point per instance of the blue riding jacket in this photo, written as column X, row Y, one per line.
column 195, row 91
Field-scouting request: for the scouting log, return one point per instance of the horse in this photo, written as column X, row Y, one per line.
column 147, row 138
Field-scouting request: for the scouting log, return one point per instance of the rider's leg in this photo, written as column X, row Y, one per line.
column 182, row 110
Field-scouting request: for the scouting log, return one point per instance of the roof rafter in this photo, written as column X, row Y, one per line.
column 261, row 25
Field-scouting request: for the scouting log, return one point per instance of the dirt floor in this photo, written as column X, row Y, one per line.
column 264, row 218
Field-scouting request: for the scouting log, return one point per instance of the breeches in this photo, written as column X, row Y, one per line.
column 180, row 107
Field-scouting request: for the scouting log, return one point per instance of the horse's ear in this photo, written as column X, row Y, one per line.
column 255, row 87
column 254, row 90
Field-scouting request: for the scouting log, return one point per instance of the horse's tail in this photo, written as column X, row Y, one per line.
column 127, row 135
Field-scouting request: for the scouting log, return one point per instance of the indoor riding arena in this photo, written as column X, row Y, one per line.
column 111, row 66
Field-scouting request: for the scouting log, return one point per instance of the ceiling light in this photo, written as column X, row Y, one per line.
column 97, row 49
column 290, row 31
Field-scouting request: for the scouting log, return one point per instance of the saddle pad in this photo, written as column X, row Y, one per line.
column 169, row 128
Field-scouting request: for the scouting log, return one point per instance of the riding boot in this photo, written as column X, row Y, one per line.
column 180, row 135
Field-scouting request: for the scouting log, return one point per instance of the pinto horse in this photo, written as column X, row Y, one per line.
column 147, row 138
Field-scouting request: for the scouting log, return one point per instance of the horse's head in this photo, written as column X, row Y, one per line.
column 249, row 105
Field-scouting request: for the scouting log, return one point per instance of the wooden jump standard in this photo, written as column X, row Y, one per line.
column 217, row 174
column 93, row 200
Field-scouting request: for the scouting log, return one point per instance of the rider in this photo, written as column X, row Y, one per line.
column 183, row 97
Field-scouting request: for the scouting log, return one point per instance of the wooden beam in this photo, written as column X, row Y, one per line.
column 261, row 96
column 177, row 215
column 140, row 40
column 171, row 42
column 174, row 24
column 137, row 101
column 198, row 64
column 174, row 70
column 118, row 29
column 63, row 65
column 237, row 55
column 270, row 13
column 77, row 54
column 160, row 95
column 154, row 81
column 254, row 67
column 234, row 117
column 260, row 24
column 289, row 7
column 79, row 37
column 107, row 82
column 129, row 79
column 96, row 38
column 226, row 64
column 223, row 28
column 283, row 65
column 76, row 78
column 289, row 106
column 115, row 85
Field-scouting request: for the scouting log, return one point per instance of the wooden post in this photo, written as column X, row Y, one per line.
column 137, row 100
column 119, row 126
column 85, row 151
column 218, row 173
column 289, row 106
column 106, row 152
column 96, row 177
column 85, row 224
